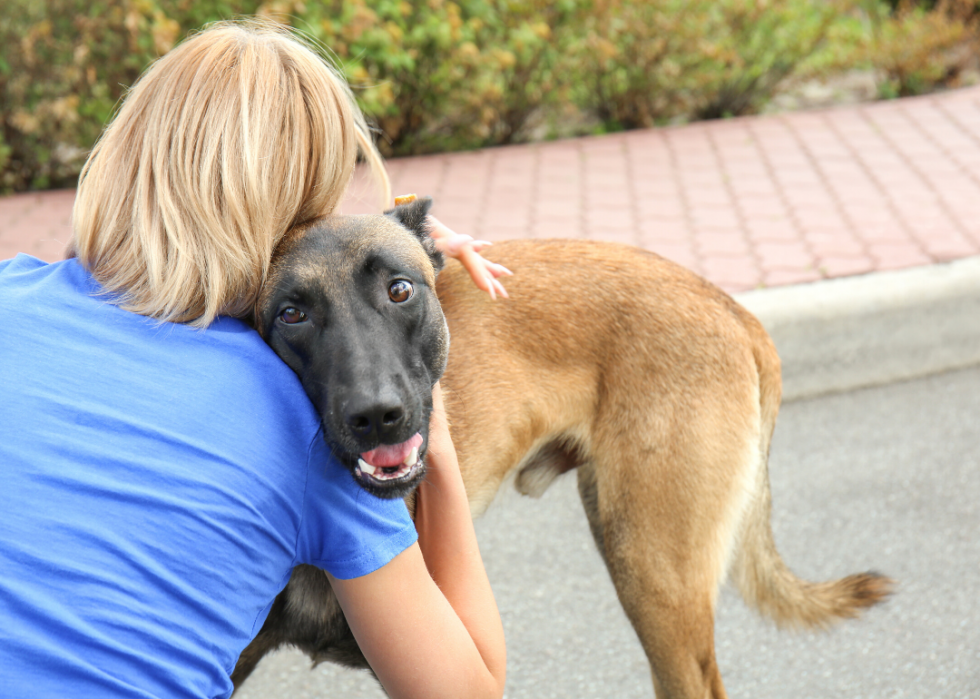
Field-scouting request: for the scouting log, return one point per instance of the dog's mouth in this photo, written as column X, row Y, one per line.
column 390, row 465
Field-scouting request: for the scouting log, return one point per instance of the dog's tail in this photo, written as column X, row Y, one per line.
column 758, row 571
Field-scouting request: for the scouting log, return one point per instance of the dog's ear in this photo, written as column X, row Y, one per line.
column 413, row 216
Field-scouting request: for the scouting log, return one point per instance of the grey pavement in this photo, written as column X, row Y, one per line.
column 872, row 329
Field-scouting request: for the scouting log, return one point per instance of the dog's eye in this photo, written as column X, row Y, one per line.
column 292, row 315
column 400, row 291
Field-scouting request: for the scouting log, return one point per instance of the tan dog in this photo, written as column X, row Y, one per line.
column 657, row 388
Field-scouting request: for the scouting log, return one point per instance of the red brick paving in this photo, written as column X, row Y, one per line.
column 756, row 201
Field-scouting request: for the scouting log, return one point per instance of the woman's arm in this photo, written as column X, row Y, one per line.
column 427, row 622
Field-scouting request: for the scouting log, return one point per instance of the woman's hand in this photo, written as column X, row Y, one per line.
column 463, row 248
column 427, row 622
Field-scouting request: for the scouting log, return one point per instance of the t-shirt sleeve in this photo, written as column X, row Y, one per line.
column 345, row 530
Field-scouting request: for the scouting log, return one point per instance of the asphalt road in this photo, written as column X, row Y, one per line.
column 885, row 479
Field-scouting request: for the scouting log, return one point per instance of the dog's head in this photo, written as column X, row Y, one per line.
column 351, row 307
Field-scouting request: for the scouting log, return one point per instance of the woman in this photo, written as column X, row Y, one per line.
column 163, row 469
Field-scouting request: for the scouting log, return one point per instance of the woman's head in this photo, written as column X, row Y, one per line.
column 238, row 134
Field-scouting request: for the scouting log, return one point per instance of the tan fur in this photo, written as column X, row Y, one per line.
column 663, row 392
column 660, row 392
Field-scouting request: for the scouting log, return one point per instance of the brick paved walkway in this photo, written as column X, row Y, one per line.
column 749, row 202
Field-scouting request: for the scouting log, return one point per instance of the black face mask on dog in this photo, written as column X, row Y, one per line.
column 351, row 307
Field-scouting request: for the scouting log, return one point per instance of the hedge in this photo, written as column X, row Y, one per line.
column 437, row 75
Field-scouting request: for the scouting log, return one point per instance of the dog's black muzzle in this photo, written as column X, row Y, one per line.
column 379, row 434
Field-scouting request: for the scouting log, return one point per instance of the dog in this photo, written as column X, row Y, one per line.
column 655, row 387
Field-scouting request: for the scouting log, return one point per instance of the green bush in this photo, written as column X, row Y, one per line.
column 649, row 62
column 441, row 75
column 64, row 64
column 918, row 50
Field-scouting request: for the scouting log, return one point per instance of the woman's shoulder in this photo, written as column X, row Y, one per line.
column 236, row 377
column 20, row 262
column 223, row 378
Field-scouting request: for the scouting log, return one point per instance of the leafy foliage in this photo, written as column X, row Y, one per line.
column 64, row 64
column 918, row 50
column 440, row 75
column 448, row 75
column 648, row 62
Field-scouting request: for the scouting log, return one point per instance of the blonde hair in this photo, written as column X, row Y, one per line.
column 238, row 134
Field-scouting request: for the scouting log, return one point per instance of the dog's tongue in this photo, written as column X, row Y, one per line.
column 392, row 454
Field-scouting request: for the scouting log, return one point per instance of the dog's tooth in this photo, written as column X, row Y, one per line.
column 366, row 467
column 413, row 457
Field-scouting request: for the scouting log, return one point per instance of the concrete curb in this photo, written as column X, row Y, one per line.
column 841, row 334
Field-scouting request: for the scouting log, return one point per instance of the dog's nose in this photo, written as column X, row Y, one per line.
column 381, row 419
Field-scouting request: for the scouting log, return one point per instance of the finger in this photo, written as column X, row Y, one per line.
column 481, row 272
column 498, row 270
column 490, row 288
column 474, row 265
column 500, row 288
column 483, row 281
column 479, row 245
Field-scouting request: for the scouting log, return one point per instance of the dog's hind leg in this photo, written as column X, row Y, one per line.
column 665, row 490
column 667, row 594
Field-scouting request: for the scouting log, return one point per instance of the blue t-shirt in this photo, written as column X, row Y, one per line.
column 159, row 482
